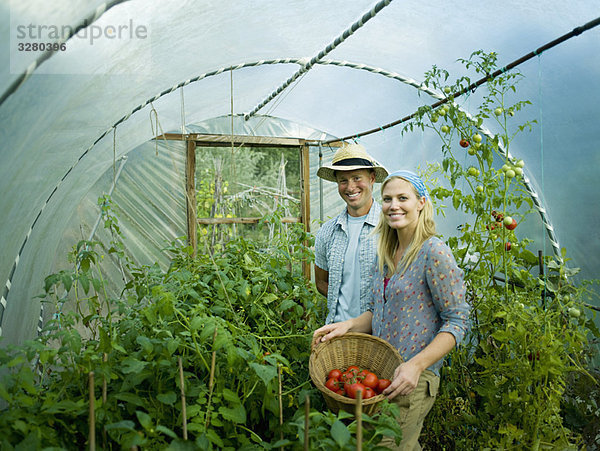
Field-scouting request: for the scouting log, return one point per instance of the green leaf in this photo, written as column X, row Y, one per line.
column 96, row 284
column 4, row 394
column 172, row 346
column 340, row 433
column 124, row 425
column 166, row 431
column 214, row 438
column 268, row 298
column 145, row 343
column 231, row 396
column 132, row 365
column 287, row 304
column 266, row 372
column 144, row 419
column 197, row 323
column 85, row 282
column 236, row 415
column 63, row 406
column 167, row 398
column 130, row 398
column 50, row 280
column 117, row 347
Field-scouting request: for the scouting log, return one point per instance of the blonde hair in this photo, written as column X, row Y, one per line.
column 387, row 242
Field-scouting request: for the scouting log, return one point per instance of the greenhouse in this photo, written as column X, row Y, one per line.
column 161, row 202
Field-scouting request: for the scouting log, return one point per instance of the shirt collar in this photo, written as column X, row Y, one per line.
column 372, row 217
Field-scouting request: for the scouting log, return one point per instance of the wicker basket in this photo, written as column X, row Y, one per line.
column 363, row 350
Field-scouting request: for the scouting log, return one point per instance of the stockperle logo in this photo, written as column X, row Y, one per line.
column 29, row 40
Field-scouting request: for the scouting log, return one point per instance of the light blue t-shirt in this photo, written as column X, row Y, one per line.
column 348, row 305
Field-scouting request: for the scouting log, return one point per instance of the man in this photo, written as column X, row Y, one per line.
column 344, row 248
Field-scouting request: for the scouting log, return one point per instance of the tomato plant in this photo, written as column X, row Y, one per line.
column 239, row 306
column 494, row 396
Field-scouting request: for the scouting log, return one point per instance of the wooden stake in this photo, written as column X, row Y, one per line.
column 306, row 421
column 280, row 405
column 92, row 431
column 183, row 412
column 358, row 413
column 211, row 380
column 541, row 266
column 104, row 397
column 190, row 195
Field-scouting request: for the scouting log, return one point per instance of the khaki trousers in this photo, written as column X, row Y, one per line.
column 413, row 410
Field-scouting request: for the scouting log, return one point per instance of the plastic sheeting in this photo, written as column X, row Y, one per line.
column 56, row 136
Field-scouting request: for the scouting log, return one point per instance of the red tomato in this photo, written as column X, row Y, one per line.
column 509, row 223
column 354, row 388
column 341, row 392
column 335, row 374
column 353, row 369
column 332, row 384
column 370, row 380
column 361, row 375
column 464, row 143
column 347, row 376
column 382, row 385
column 369, row 393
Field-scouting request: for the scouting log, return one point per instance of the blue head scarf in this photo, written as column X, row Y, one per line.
column 413, row 178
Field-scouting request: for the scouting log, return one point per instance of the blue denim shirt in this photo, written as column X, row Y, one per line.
column 330, row 247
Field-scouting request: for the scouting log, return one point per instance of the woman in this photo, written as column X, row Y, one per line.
column 418, row 300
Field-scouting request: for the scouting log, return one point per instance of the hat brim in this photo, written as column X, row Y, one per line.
column 328, row 172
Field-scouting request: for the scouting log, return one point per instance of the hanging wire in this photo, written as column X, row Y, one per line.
column 114, row 155
column 86, row 22
column 471, row 88
column 305, row 68
column 183, row 123
column 541, row 124
column 278, row 102
column 154, row 128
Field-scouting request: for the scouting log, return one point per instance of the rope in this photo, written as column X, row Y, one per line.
column 183, row 129
column 15, row 85
column 114, row 154
column 345, row 35
column 575, row 32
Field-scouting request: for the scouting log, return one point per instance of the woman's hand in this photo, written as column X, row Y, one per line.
column 330, row 331
column 406, row 378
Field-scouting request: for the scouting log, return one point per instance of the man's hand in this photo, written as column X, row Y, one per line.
column 330, row 331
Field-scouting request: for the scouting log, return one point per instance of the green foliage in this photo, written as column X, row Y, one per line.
column 504, row 387
column 245, row 307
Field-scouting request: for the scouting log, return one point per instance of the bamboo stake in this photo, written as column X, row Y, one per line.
column 183, row 410
column 541, row 266
column 211, row 380
column 104, row 397
column 92, row 425
column 104, row 388
column 358, row 413
column 280, row 405
column 306, row 421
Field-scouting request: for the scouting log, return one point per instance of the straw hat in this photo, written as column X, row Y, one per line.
column 351, row 157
